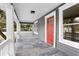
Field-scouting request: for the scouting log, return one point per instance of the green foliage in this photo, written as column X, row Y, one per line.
column 26, row 27
column 14, row 26
column 2, row 21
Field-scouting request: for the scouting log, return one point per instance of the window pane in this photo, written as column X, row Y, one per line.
column 71, row 32
column 71, row 23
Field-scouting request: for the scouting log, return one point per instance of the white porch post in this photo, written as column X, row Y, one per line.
column 33, row 28
column 10, row 28
column 18, row 30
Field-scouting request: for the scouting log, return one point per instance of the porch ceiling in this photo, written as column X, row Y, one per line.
column 23, row 10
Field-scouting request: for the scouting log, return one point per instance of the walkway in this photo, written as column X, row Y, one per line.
column 32, row 46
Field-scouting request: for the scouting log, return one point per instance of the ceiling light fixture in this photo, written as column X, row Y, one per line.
column 32, row 12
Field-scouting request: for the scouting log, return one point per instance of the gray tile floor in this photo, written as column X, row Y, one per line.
column 32, row 46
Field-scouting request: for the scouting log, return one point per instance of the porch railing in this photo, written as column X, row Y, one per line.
column 5, row 48
column 2, row 35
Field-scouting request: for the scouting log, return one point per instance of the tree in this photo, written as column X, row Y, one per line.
column 2, row 21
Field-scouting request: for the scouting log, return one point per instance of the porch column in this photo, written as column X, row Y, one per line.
column 10, row 28
column 32, row 28
column 18, row 30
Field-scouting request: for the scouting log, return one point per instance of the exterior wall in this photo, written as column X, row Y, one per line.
column 41, row 28
column 63, row 47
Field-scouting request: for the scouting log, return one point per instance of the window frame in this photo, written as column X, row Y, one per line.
column 61, row 39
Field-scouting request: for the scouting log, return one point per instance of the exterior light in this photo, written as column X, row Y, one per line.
column 32, row 12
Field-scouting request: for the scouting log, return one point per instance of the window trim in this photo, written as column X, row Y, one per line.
column 61, row 39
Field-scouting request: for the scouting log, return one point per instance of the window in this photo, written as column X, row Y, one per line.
column 71, row 23
column 26, row 27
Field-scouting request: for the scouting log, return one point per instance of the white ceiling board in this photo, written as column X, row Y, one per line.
column 23, row 10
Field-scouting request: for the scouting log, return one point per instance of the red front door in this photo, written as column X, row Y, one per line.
column 50, row 30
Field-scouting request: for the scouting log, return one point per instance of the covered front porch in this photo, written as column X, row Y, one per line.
column 39, row 29
column 23, row 43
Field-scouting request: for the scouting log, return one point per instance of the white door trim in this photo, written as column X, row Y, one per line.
column 47, row 16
